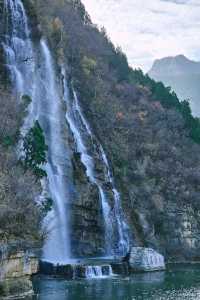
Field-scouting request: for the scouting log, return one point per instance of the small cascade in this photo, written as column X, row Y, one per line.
column 98, row 271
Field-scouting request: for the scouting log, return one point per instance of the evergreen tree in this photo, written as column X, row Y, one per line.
column 35, row 150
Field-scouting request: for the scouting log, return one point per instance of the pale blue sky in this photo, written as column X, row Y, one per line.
column 150, row 29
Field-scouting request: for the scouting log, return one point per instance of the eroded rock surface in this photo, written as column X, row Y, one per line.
column 146, row 259
column 15, row 273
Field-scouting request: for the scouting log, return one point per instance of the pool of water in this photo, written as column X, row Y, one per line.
column 178, row 282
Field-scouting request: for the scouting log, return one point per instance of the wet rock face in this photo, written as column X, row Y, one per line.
column 15, row 272
column 121, row 268
column 146, row 259
column 87, row 236
column 156, row 167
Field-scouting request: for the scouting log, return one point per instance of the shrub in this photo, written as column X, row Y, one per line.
column 20, row 215
column 168, row 99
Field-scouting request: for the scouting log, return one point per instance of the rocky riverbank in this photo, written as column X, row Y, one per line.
column 138, row 260
column 16, row 268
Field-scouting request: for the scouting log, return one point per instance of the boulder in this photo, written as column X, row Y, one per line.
column 146, row 260
column 47, row 268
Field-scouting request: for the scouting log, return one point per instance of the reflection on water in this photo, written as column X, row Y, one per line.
column 178, row 283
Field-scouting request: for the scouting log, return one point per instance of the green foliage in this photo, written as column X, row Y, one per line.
column 35, row 150
column 95, row 61
column 88, row 65
column 168, row 99
column 119, row 62
column 21, row 216
column 81, row 10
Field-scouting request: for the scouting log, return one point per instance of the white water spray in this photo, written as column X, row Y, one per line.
column 123, row 229
column 57, row 247
column 74, row 115
column 32, row 73
column 41, row 85
column 98, row 272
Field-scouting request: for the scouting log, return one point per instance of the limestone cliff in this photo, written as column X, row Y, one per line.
column 151, row 141
column 154, row 160
column 16, row 269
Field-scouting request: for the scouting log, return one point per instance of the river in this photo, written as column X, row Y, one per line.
column 178, row 282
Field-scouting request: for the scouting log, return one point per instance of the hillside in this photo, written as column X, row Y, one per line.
column 148, row 136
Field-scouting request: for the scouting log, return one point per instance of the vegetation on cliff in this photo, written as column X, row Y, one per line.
column 20, row 216
column 148, row 134
column 35, row 150
column 94, row 59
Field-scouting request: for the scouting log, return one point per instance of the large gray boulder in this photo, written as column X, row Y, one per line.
column 146, row 259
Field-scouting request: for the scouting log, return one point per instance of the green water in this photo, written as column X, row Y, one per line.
column 180, row 282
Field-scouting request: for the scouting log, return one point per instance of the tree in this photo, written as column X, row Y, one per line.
column 35, row 150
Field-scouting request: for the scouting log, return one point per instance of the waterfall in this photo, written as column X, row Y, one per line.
column 123, row 229
column 18, row 47
column 74, row 116
column 22, row 61
column 57, row 247
column 33, row 73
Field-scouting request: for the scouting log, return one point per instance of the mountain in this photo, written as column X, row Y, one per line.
column 183, row 75
column 117, row 152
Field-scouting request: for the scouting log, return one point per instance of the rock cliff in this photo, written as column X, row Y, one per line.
column 154, row 158
column 16, row 269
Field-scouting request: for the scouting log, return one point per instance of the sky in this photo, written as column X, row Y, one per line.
column 150, row 29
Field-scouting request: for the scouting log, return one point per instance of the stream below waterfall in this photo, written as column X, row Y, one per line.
column 178, row 282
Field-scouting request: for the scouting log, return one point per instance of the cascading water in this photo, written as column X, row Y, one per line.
column 47, row 108
column 18, row 47
column 57, row 247
column 98, row 271
column 32, row 73
column 74, row 117
column 123, row 229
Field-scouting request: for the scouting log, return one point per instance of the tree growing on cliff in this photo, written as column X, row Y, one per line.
column 35, row 150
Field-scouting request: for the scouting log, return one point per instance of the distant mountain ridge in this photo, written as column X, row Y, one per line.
column 183, row 75
column 177, row 65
